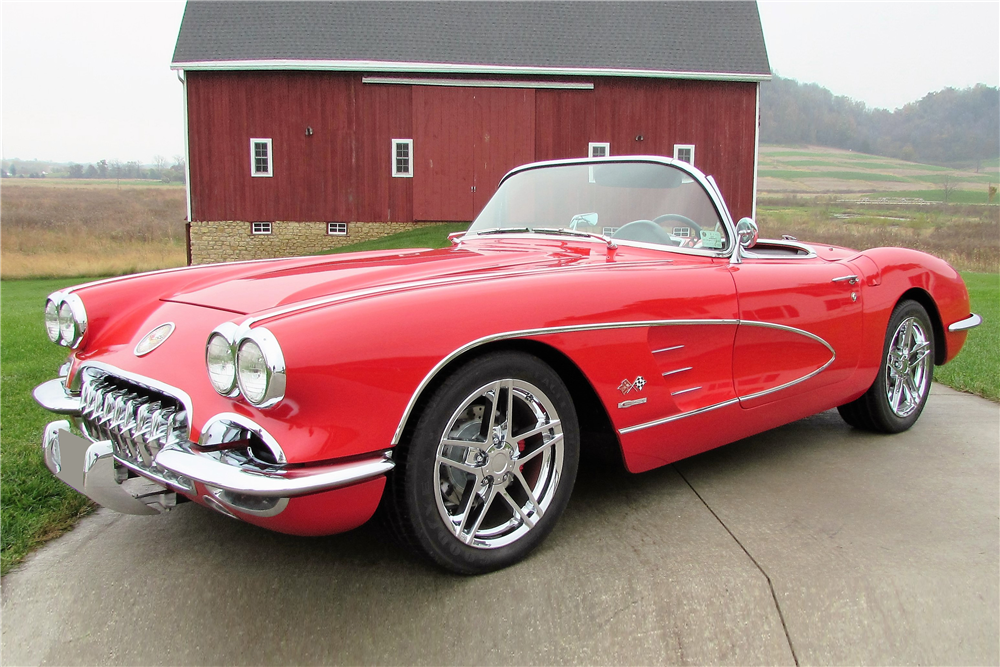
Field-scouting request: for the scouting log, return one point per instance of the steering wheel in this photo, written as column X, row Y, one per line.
column 645, row 231
column 683, row 220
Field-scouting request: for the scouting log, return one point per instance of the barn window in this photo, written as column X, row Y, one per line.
column 260, row 157
column 260, row 227
column 598, row 149
column 336, row 228
column 402, row 158
column 684, row 153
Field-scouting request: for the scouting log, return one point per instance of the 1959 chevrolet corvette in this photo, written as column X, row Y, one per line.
column 602, row 300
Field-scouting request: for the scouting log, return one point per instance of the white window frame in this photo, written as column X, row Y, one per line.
column 253, row 158
column 679, row 147
column 396, row 173
column 606, row 145
column 336, row 229
column 261, row 228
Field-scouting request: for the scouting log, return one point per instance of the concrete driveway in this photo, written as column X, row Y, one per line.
column 810, row 544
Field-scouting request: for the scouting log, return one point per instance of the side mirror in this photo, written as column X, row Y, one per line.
column 746, row 232
column 588, row 219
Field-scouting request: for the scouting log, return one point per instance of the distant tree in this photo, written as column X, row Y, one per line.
column 102, row 169
column 177, row 169
column 91, row 172
column 117, row 170
column 159, row 166
column 948, row 185
column 75, row 170
column 13, row 170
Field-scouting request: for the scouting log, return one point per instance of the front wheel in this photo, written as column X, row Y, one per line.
column 897, row 397
column 490, row 465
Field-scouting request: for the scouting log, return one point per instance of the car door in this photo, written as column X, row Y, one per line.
column 800, row 323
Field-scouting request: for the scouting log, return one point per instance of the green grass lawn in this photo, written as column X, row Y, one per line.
column 432, row 236
column 838, row 175
column 34, row 505
column 977, row 367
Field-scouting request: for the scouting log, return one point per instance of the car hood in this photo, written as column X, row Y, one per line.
column 280, row 283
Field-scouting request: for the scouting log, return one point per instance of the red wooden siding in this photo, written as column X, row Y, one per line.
column 443, row 135
column 464, row 141
column 505, row 136
column 463, row 137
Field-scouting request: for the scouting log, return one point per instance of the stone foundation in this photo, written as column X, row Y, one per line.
column 231, row 240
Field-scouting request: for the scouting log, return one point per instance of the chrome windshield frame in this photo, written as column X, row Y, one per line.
column 707, row 184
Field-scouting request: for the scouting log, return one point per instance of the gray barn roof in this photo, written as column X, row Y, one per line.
column 715, row 40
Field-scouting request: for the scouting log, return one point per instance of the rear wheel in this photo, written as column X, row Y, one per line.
column 490, row 465
column 897, row 397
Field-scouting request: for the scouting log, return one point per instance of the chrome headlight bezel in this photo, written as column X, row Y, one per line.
column 71, row 319
column 226, row 333
column 273, row 359
column 274, row 368
column 52, row 320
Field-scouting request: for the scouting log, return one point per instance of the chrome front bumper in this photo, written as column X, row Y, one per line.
column 92, row 468
column 89, row 467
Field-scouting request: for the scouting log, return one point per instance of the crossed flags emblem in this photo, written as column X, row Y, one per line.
column 626, row 386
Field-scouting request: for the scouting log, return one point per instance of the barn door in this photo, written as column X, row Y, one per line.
column 504, row 137
column 442, row 153
column 464, row 141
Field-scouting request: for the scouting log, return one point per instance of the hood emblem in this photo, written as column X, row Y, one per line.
column 154, row 339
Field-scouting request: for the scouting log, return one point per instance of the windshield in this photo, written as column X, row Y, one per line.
column 629, row 201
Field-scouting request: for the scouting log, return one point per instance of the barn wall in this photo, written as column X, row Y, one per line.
column 718, row 118
column 341, row 172
column 227, row 240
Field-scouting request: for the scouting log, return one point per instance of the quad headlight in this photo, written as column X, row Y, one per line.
column 248, row 362
column 65, row 319
column 221, row 362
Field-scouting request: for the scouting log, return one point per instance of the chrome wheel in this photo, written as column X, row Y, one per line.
column 499, row 463
column 896, row 398
column 485, row 472
column 907, row 367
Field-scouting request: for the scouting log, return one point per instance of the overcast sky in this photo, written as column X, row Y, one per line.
column 82, row 81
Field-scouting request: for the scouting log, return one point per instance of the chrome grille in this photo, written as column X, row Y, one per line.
column 138, row 421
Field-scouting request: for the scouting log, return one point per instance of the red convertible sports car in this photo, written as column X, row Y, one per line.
column 591, row 302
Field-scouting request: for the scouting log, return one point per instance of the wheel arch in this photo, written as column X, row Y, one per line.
column 598, row 436
column 922, row 297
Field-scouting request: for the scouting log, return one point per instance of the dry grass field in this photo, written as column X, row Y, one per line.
column 967, row 236
column 53, row 227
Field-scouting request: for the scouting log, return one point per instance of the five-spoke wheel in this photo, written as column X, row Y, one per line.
column 489, row 466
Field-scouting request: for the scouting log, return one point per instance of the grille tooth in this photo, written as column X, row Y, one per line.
column 138, row 421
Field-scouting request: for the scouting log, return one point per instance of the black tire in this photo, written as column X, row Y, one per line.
column 435, row 497
column 897, row 397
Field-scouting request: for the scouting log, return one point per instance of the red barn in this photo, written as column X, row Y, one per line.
column 313, row 124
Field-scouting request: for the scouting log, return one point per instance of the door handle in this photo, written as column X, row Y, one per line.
column 850, row 280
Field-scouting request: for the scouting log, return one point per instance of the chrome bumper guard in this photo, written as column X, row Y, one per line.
column 92, row 468
column 89, row 467
column 970, row 322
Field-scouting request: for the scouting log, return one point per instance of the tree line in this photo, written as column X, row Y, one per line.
column 950, row 127
column 160, row 170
